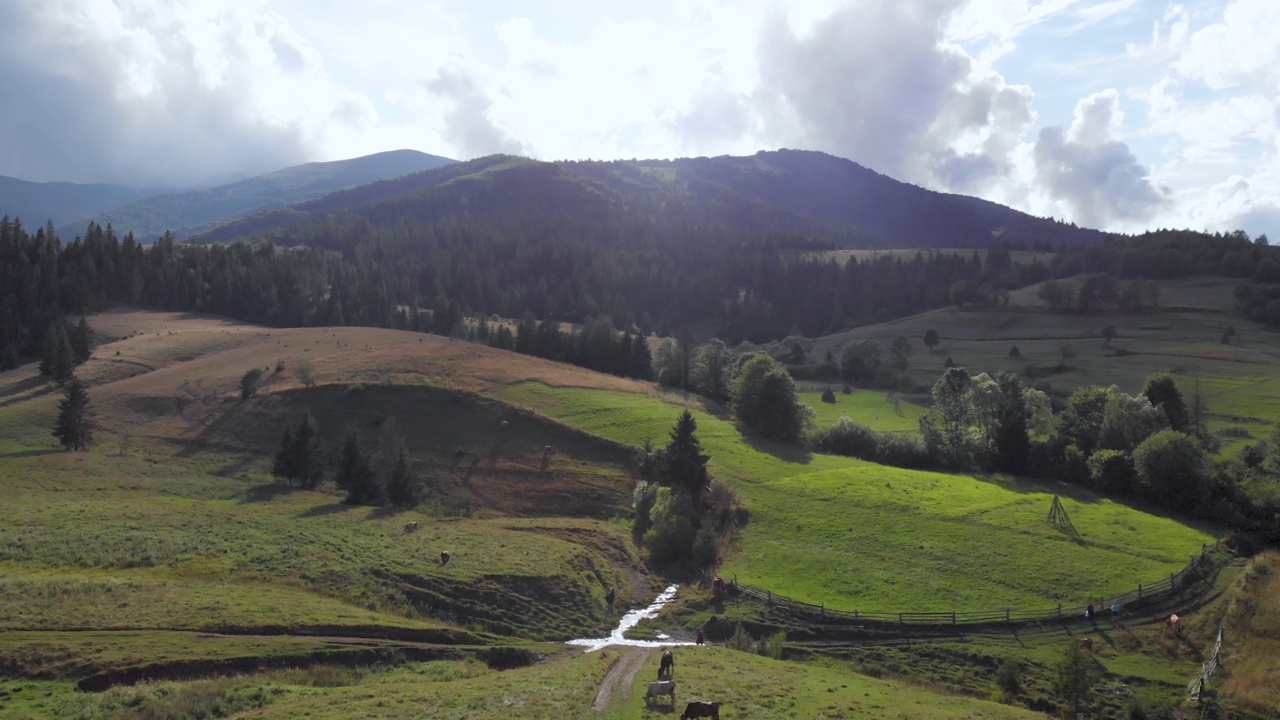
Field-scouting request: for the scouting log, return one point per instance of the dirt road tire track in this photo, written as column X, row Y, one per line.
column 619, row 678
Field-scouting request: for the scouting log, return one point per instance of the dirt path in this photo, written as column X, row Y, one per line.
column 620, row 677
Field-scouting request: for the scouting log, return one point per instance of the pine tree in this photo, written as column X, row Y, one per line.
column 300, row 458
column 82, row 342
column 686, row 465
column 353, row 473
column 74, row 426
column 401, row 485
column 58, row 360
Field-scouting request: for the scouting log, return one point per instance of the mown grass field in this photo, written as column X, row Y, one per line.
column 855, row 535
column 865, row 407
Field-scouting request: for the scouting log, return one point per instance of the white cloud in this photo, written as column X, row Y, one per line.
column 184, row 92
column 1243, row 48
column 1090, row 172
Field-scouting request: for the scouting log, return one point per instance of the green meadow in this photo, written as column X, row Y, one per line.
column 855, row 535
column 866, row 407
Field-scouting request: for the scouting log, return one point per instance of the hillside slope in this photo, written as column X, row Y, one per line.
column 38, row 203
column 189, row 212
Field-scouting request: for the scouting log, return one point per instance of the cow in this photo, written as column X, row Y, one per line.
column 1087, row 644
column 668, row 664
column 444, row 557
column 717, row 586
column 504, row 424
column 1174, row 623
column 701, row 710
column 662, row 687
column 411, row 526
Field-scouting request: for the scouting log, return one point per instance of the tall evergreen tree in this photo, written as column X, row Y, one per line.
column 353, row 472
column 1012, row 443
column 74, row 426
column 300, row 458
column 400, row 483
column 58, row 360
column 686, row 465
column 82, row 341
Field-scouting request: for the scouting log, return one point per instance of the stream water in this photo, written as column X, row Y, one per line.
column 630, row 620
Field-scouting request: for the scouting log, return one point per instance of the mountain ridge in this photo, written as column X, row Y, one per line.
column 782, row 191
column 188, row 212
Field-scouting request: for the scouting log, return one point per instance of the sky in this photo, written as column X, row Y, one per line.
column 1119, row 114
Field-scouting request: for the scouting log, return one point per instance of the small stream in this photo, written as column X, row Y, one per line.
column 630, row 620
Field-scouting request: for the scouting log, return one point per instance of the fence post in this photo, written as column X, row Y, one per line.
column 822, row 608
column 855, row 614
column 1006, row 614
column 953, row 617
column 769, row 600
column 1059, row 611
column 1139, row 591
column 899, row 618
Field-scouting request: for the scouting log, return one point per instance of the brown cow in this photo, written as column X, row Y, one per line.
column 1174, row 623
column 411, row 526
column 444, row 557
column 701, row 710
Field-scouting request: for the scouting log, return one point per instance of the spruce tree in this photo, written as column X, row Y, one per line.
column 400, row 484
column 686, row 465
column 81, row 339
column 74, row 426
column 353, row 473
column 58, row 360
column 300, row 458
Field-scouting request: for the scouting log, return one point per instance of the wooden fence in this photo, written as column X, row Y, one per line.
column 1144, row 594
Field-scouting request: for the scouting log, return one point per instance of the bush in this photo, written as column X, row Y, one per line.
column 1009, row 676
column 672, row 534
column 949, row 363
column 828, row 396
column 850, row 439
column 777, row 643
column 1014, row 352
column 249, row 383
column 740, row 640
column 280, row 366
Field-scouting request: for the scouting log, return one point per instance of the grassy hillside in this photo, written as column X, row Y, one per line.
column 181, row 555
column 1181, row 337
column 857, row 535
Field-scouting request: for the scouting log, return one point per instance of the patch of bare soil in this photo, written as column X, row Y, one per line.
column 621, row 675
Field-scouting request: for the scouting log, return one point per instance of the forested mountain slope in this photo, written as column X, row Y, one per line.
column 784, row 191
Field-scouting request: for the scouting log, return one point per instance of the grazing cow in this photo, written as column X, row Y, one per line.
column 1087, row 644
column 1174, row 623
column 444, row 557
column 662, row 687
column 668, row 665
column 717, row 586
column 701, row 710
column 411, row 526
column 504, row 424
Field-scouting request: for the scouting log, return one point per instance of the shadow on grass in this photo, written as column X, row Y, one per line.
column 327, row 509
column 266, row 492
column 781, row 451
column 383, row 512
column 25, row 385
column 31, row 453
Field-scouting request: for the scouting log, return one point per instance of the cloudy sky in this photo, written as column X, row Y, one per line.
column 1121, row 114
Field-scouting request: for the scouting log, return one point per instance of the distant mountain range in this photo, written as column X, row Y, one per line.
column 38, row 203
column 148, row 215
column 784, row 191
